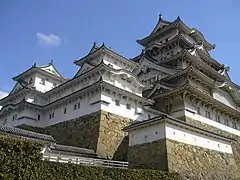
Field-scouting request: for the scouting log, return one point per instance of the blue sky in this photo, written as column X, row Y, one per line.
column 39, row 31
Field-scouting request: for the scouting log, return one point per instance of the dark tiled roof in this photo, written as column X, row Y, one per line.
column 24, row 133
column 74, row 150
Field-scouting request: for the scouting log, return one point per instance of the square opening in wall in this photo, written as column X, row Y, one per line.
column 128, row 106
column 117, row 102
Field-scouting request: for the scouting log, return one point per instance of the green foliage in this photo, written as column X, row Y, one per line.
column 18, row 156
column 21, row 159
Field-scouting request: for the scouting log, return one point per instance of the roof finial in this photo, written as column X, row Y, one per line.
column 51, row 62
column 35, row 64
column 94, row 43
column 160, row 16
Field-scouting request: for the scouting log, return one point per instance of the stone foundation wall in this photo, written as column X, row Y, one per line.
column 235, row 144
column 151, row 155
column 191, row 162
column 196, row 163
column 80, row 132
column 112, row 141
column 100, row 131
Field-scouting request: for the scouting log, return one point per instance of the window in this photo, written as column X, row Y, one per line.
column 39, row 117
column 14, row 117
column 75, row 107
column 234, row 125
column 50, row 116
column 42, row 81
column 208, row 114
column 65, row 110
column 128, row 106
column 117, row 102
column 79, row 105
column 226, row 122
column 217, row 118
column 53, row 115
column 198, row 110
column 149, row 116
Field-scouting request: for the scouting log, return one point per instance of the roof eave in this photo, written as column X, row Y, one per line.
column 16, row 78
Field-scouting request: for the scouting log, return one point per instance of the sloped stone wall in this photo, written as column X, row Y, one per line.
column 112, row 141
column 152, row 155
column 196, row 163
column 100, row 131
column 80, row 132
column 235, row 144
column 191, row 162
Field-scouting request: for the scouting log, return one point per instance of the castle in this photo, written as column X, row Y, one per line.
column 175, row 102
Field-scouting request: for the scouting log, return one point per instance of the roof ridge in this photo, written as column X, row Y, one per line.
column 25, row 133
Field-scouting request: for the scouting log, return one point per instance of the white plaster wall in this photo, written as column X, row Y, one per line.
column 85, row 108
column 135, row 113
column 29, row 97
column 27, row 113
column 71, row 88
column 88, row 104
column 147, row 134
column 196, row 139
column 48, row 84
column 223, row 97
column 212, row 123
column 193, row 109
column 131, row 86
column 27, row 121
column 161, row 130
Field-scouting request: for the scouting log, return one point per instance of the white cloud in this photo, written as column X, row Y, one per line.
column 2, row 95
column 48, row 40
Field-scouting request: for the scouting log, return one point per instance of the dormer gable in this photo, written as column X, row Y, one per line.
column 50, row 68
column 84, row 68
column 160, row 24
column 103, row 53
column 18, row 86
column 41, row 78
